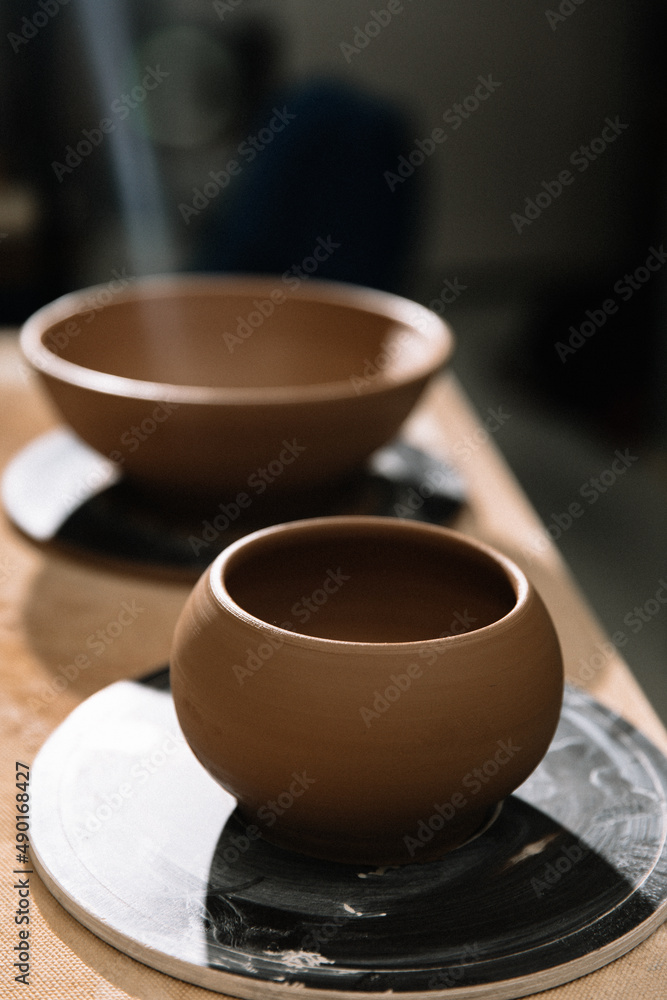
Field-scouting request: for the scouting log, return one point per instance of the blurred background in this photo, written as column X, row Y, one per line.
column 500, row 161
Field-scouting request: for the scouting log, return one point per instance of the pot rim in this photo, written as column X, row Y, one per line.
column 515, row 576
column 414, row 317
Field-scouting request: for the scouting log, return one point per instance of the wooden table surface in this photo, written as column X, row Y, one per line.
column 51, row 606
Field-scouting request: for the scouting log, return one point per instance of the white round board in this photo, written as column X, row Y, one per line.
column 135, row 840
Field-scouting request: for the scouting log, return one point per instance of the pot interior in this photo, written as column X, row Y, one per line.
column 258, row 339
column 369, row 585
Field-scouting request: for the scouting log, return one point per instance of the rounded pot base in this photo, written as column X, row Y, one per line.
column 401, row 849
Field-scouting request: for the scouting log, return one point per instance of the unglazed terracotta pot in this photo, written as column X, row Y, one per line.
column 217, row 384
column 368, row 688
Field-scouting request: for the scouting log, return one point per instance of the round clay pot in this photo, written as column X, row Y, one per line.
column 218, row 385
column 368, row 688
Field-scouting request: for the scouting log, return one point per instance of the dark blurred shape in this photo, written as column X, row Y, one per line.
column 218, row 75
column 114, row 202
column 230, row 64
column 604, row 366
column 320, row 178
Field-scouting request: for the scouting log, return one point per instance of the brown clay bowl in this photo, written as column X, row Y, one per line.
column 368, row 688
column 219, row 384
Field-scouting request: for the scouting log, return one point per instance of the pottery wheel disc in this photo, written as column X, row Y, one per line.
column 134, row 838
column 59, row 490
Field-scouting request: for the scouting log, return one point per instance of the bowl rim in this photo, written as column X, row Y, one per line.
column 414, row 316
column 523, row 589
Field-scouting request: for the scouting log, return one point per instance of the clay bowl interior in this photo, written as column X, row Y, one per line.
column 397, row 589
column 388, row 658
column 194, row 382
